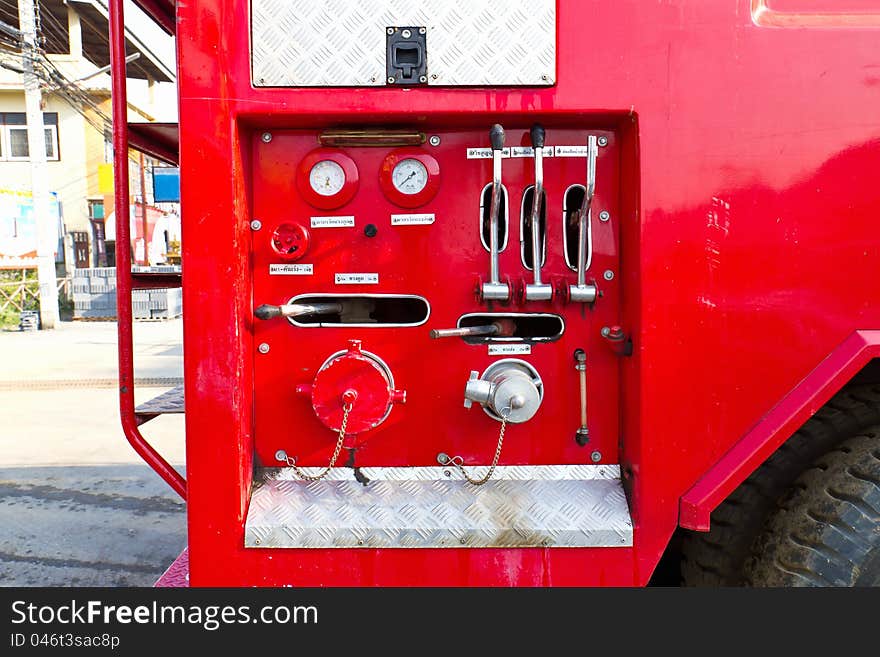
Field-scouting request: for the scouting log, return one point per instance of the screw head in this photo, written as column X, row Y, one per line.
column 596, row 456
column 263, row 348
column 422, row 30
column 434, row 140
column 433, row 76
column 603, row 141
column 281, row 455
column 544, row 77
column 256, row 224
column 423, row 78
column 406, row 34
column 606, row 331
column 373, row 78
column 266, row 137
column 608, row 275
column 390, row 79
column 604, row 215
column 370, row 230
column 390, row 30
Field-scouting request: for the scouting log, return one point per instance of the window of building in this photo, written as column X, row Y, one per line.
column 14, row 140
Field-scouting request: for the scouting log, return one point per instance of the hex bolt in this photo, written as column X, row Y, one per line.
column 596, row 456
column 603, row 141
column 390, row 79
column 263, row 348
column 256, row 224
column 423, row 78
column 266, row 137
column 604, row 215
column 406, row 34
column 434, row 140
column 608, row 275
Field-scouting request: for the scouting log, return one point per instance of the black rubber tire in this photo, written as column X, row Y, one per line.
column 718, row 557
column 826, row 531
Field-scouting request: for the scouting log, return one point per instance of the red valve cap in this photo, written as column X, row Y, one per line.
column 358, row 378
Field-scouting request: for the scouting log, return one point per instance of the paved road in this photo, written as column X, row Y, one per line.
column 77, row 507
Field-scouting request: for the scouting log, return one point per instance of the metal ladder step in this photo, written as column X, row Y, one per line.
column 553, row 506
column 168, row 402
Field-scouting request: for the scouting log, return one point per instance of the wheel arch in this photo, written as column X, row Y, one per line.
column 856, row 357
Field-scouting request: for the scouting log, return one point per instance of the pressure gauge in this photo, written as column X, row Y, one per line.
column 409, row 177
column 327, row 178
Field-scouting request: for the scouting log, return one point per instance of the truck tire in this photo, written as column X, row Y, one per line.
column 826, row 531
column 718, row 557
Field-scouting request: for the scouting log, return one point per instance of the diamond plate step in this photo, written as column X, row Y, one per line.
column 432, row 507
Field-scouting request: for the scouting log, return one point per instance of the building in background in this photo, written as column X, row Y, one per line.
column 76, row 113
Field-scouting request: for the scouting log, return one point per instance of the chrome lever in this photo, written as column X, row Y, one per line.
column 268, row 311
column 538, row 291
column 583, row 293
column 495, row 289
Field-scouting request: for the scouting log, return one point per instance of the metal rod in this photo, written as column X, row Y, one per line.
column 123, row 257
column 268, row 311
column 494, row 210
column 537, row 135
column 585, row 250
column 491, row 329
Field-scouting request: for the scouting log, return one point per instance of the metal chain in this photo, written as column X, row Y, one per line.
column 302, row 474
column 482, row 480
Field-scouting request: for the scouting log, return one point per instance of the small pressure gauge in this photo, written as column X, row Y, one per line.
column 409, row 177
column 327, row 178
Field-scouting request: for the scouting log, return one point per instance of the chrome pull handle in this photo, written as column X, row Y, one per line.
column 538, row 290
column 582, row 292
column 501, row 328
column 268, row 311
column 495, row 289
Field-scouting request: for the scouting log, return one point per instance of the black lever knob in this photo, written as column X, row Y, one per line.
column 267, row 311
column 537, row 134
column 496, row 137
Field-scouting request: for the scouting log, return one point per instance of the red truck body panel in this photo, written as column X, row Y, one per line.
column 747, row 138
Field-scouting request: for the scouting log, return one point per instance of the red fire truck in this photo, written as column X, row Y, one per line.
column 522, row 292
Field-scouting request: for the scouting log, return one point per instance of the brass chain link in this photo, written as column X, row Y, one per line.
column 302, row 474
column 482, row 480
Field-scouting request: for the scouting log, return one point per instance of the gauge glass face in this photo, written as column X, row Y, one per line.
column 409, row 176
column 327, row 178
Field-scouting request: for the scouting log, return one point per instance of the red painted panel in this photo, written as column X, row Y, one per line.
column 748, row 253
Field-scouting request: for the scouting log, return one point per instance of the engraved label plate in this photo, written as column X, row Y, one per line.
column 332, row 222
column 356, row 279
column 291, row 270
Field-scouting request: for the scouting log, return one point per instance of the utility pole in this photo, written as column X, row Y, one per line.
column 47, row 226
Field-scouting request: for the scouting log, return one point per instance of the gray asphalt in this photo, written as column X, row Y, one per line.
column 77, row 506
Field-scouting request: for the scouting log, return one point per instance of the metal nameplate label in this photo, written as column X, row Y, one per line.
column 485, row 153
column 291, row 270
column 332, row 222
column 424, row 219
column 356, row 279
column 570, row 151
column 528, row 151
column 509, row 349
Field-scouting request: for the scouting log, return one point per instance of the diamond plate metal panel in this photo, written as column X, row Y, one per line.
column 340, row 43
column 522, row 506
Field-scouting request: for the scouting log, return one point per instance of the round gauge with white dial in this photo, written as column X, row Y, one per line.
column 409, row 176
column 327, row 178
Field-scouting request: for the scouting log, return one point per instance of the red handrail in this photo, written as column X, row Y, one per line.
column 123, row 257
